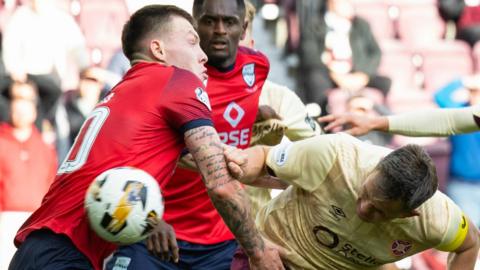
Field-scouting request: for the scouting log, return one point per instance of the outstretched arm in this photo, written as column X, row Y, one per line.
column 435, row 122
column 464, row 257
column 432, row 122
column 357, row 124
column 228, row 197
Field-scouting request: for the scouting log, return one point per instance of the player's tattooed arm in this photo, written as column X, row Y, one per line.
column 207, row 151
column 228, row 196
column 248, row 166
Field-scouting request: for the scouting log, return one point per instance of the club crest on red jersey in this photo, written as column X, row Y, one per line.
column 203, row 97
column 248, row 73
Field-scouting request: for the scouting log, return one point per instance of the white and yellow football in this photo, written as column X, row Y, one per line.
column 123, row 205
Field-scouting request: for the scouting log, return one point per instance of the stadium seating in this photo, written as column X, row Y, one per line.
column 443, row 62
column 440, row 153
column 337, row 98
column 5, row 13
column 419, row 22
column 397, row 63
column 66, row 5
column 376, row 12
column 102, row 22
column 476, row 56
column 409, row 99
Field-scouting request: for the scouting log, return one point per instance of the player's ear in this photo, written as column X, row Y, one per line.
column 157, row 48
column 244, row 33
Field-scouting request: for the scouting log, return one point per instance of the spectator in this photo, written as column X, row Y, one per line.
column 116, row 68
column 119, row 64
column 38, row 42
column 281, row 114
column 2, row 65
column 3, row 100
column 39, row 39
column 338, row 49
column 363, row 105
column 464, row 183
column 466, row 15
column 48, row 94
column 28, row 166
column 79, row 103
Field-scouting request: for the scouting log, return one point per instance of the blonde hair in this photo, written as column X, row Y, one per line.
column 250, row 13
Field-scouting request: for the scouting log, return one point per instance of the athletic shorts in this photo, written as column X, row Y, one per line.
column 192, row 256
column 46, row 250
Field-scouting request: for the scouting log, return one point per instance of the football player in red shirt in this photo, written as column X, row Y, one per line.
column 158, row 108
column 235, row 78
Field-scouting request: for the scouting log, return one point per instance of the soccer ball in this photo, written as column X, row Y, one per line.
column 123, row 205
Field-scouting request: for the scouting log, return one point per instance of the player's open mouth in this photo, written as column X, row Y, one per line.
column 219, row 45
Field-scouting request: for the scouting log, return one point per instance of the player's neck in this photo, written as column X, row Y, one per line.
column 222, row 67
column 140, row 57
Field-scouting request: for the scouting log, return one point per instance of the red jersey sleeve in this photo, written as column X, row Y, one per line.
column 186, row 102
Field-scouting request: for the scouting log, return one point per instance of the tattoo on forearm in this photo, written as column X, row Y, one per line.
column 235, row 210
column 198, row 133
column 216, row 145
column 209, row 153
column 237, row 220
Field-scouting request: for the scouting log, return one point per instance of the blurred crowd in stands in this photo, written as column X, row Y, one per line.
column 58, row 58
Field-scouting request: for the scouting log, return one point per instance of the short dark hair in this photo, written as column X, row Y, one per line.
column 408, row 174
column 197, row 5
column 29, row 83
column 145, row 21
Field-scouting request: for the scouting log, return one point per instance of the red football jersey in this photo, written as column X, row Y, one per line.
column 140, row 124
column 234, row 98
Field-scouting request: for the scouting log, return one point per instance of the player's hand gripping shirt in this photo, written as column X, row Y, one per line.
column 316, row 221
column 234, row 98
column 292, row 111
column 298, row 125
column 141, row 123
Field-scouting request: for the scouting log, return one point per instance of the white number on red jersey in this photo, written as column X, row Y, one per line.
column 78, row 154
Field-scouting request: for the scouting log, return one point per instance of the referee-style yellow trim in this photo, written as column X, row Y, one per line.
column 459, row 237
